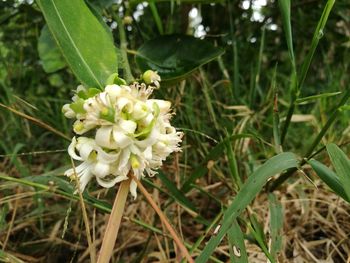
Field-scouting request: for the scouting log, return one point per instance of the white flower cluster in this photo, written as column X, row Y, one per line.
column 123, row 131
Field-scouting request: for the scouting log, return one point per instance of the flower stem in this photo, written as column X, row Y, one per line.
column 164, row 220
column 112, row 228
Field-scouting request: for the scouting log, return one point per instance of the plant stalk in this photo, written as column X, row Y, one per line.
column 123, row 50
column 85, row 218
column 113, row 225
column 164, row 220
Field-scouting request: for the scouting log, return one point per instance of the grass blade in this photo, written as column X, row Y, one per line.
column 285, row 11
column 212, row 155
column 329, row 178
column 318, row 34
column 175, row 192
column 276, row 225
column 238, row 253
column 341, row 164
column 308, row 99
column 249, row 190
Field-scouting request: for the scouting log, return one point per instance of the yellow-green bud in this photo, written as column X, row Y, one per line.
column 104, row 111
column 150, row 77
column 127, row 20
column 78, row 127
column 134, row 162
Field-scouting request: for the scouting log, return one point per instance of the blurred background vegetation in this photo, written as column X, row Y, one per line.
column 230, row 95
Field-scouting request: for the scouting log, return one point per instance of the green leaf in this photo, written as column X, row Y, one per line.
column 341, row 164
column 285, row 11
column 308, row 99
column 329, row 178
column 100, row 5
column 238, row 253
column 175, row 56
column 83, row 41
column 318, row 34
column 249, row 190
column 49, row 53
column 214, row 154
column 276, row 225
column 175, row 192
column 257, row 232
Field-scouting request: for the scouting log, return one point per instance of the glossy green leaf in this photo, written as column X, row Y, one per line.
column 83, row 41
column 50, row 56
column 100, row 5
column 249, row 190
column 329, row 178
column 341, row 165
column 175, row 56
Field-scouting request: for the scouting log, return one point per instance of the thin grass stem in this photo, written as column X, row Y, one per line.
column 309, row 153
column 164, row 220
column 36, row 121
column 92, row 250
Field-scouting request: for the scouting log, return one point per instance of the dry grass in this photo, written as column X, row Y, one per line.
column 316, row 225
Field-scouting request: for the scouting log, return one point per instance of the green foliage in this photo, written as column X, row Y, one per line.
column 249, row 190
column 49, row 53
column 329, row 178
column 276, row 225
column 83, row 41
column 175, row 56
column 230, row 110
column 341, row 164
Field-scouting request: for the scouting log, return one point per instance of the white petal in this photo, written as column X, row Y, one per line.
column 69, row 172
column 128, row 126
column 103, row 97
column 84, row 179
column 107, row 157
column 164, row 105
column 124, row 158
column 100, row 169
column 148, row 119
column 103, row 137
column 121, row 139
column 148, row 153
column 124, row 102
column 133, row 187
column 109, row 184
column 81, row 88
column 113, row 91
column 86, row 149
column 140, row 110
column 150, row 140
column 68, row 112
column 71, row 150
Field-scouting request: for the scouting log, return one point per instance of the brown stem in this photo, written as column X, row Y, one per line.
column 165, row 221
column 85, row 218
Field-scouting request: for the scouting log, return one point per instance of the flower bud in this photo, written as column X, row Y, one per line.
column 151, row 77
